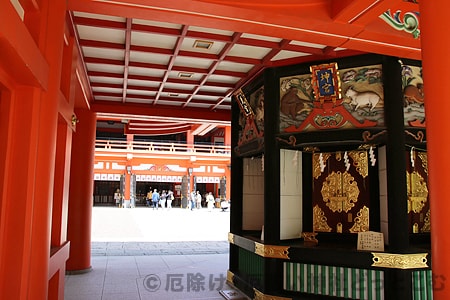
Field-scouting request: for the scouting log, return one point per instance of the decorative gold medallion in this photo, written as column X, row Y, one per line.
column 361, row 162
column 361, row 221
column 319, row 220
column 417, row 192
column 340, row 191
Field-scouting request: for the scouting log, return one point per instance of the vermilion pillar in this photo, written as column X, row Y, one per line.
column 228, row 169
column 435, row 59
column 80, row 192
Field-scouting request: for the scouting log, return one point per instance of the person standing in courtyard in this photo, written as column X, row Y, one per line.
column 163, row 199
column 198, row 200
column 155, row 199
column 117, row 197
column 192, row 200
column 210, row 201
column 149, row 197
column 169, row 199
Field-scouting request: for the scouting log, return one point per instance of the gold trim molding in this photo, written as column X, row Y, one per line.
column 272, row 251
column 261, row 296
column 230, row 276
column 230, row 238
column 399, row 261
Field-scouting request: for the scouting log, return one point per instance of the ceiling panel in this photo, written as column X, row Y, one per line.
column 133, row 55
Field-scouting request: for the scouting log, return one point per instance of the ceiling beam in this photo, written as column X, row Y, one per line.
column 127, row 59
column 212, row 69
column 145, row 111
column 360, row 12
column 171, row 63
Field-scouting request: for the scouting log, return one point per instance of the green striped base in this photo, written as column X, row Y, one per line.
column 334, row 281
column 422, row 285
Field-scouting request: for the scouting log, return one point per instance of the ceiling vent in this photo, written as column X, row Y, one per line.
column 205, row 45
column 185, row 75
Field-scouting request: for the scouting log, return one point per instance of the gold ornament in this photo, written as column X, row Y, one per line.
column 361, row 221
column 340, row 191
column 417, row 191
column 272, row 251
column 316, row 163
column 319, row 220
column 400, row 261
column 360, row 161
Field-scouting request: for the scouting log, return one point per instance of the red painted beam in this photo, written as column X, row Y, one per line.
column 145, row 111
column 127, row 59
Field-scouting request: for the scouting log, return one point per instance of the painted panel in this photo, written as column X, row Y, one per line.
column 361, row 104
column 251, row 116
column 413, row 96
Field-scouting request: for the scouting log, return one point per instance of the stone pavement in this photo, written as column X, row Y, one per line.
column 141, row 253
column 159, row 248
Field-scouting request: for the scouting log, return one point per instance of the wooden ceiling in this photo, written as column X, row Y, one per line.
column 168, row 66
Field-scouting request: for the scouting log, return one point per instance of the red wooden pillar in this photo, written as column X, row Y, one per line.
column 81, row 192
column 435, row 56
column 129, row 168
column 50, row 42
column 190, row 145
column 18, row 169
column 228, row 169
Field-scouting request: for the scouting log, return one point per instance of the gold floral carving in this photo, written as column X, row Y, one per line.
column 400, row 261
column 340, row 191
column 310, row 238
column 261, row 296
column 417, row 191
column 316, row 163
column 361, row 221
column 361, row 162
column 424, row 158
column 230, row 238
column 272, row 251
column 319, row 220
column 427, row 226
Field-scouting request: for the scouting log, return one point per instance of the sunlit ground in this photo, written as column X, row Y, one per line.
column 143, row 224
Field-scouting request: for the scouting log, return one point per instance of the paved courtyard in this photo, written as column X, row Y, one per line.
column 141, row 253
column 144, row 231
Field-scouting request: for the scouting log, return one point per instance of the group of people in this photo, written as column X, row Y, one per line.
column 155, row 199
column 195, row 200
column 164, row 199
